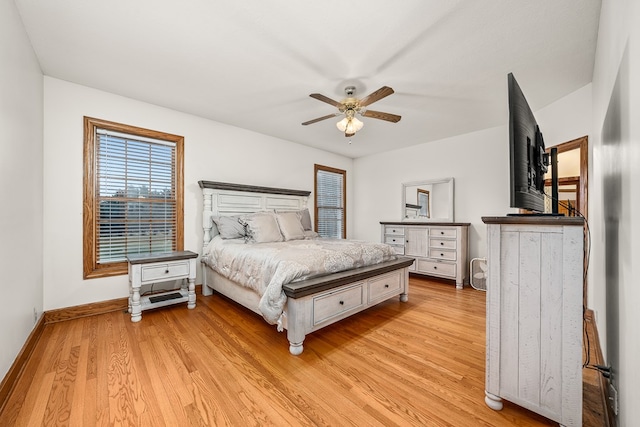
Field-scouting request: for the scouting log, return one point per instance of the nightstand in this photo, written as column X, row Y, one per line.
column 146, row 269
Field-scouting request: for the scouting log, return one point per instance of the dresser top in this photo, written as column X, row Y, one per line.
column 448, row 224
column 533, row 219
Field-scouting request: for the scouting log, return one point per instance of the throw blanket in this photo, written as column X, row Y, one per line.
column 265, row 267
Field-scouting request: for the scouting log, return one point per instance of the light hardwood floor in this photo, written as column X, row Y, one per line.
column 417, row 363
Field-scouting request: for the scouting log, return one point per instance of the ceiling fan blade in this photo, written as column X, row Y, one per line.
column 376, row 96
column 382, row 116
column 328, row 100
column 319, row 119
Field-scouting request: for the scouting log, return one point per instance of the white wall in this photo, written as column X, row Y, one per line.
column 20, row 185
column 568, row 118
column 478, row 161
column 213, row 152
column 614, row 292
column 475, row 161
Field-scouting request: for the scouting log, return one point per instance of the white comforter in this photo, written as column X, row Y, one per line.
column 265, row 267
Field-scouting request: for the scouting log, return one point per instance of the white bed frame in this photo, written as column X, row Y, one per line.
column 313, row 303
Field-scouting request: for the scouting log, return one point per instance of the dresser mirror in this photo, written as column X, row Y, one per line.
column 430, row 200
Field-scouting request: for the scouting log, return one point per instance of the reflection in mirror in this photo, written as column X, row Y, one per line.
column 424, row 201
column 430, row 200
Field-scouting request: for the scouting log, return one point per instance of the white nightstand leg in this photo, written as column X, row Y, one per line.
column 191, row 303
column 135, row 307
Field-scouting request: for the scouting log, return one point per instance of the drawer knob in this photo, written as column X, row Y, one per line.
column 386, row 286
column 441, row 243
column 341, row 302
column 435, row 267
column 442, row 232
column 166, row 271
column 441, row 254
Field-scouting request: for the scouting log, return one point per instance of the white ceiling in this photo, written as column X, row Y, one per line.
column 253, row 63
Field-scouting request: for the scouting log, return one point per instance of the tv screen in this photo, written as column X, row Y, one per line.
column 528, row 161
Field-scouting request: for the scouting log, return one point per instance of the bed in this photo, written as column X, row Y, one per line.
column 238, row 226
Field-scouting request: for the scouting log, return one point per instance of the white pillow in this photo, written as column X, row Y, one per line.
column 305, row 217
column 262, row 227
column 229, row 227
column 310, row 234
column 290, row 225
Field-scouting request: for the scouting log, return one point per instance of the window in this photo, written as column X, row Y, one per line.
column 133, row 195
column 330, row 201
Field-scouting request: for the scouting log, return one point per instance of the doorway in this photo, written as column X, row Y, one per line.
column 573, row 171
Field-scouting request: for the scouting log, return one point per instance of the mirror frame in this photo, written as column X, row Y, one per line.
column 450, row 210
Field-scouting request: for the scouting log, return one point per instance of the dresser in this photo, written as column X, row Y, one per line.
column 534, row 315
column 440, row 249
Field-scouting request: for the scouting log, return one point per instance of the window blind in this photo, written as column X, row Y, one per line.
column 330, row 203
column 136, row 196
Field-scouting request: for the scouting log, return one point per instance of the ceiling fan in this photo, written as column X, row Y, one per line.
column 350, row 106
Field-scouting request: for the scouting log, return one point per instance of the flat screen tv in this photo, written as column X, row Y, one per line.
column 528, row 160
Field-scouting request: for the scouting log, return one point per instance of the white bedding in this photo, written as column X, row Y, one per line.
column 265, row 267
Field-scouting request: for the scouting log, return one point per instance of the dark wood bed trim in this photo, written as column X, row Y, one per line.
column 334, row 280
column 251, row 188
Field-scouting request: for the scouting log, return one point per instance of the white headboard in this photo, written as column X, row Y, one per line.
column 222, row 198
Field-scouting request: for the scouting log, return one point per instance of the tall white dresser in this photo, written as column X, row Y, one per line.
column 534, row 315
column 440, row 249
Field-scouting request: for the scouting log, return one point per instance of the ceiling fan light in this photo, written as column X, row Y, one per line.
column 349, row 125
column 357, row 124
column 342, row 124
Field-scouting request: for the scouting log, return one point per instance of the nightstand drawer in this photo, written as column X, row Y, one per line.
column 167, row 271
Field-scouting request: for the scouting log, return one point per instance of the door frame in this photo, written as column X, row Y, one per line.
column 581, row 143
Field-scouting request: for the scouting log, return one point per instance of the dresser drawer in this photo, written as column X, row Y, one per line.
column 444, row 269
column 383, row 286
column 335, row 303
column 394, row 240
column 450, row 233
column 445, row 254
column 167, row 271
column 442, row 243
column 391, row 230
